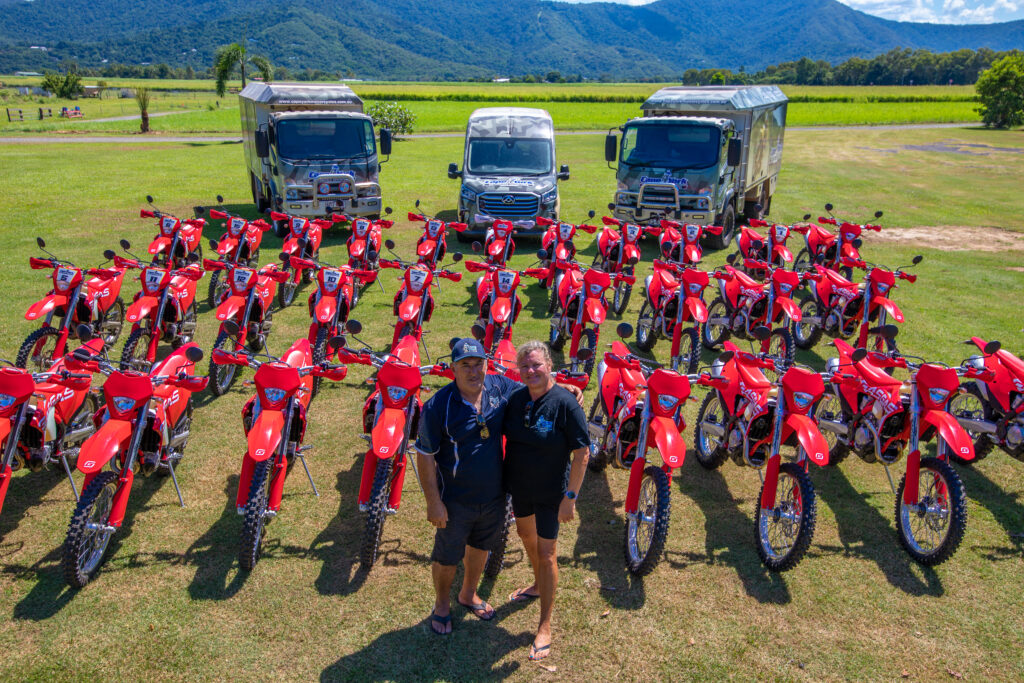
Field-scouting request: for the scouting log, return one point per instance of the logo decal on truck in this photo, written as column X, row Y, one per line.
column 681, row 183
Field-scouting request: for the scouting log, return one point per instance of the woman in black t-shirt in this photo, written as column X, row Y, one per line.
column 543, row 425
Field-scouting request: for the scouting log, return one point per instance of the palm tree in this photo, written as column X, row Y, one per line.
column 142, row 97
column 235, row 54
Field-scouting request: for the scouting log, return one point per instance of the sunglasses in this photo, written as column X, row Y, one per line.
column 526, row 416
column 482, row 424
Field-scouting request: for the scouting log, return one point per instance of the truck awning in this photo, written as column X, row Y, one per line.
column 713, row 98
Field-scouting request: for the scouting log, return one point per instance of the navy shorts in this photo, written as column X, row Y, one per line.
column 545, row 512
column 478, row 526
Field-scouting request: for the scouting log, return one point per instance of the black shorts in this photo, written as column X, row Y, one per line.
column 545, row 512
column 478, row 526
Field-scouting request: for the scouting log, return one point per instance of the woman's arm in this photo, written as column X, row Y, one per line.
column 567, row 508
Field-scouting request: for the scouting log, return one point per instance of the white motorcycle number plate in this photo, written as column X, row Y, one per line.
column 242, row 277
column 632, row 231
column 433, row 227
column 505, row 281
column 237, row 224
column 361, row 227
column 417, row 278
column 780, row 232
column 331, row 279
column 692, row 231
column 65, row 274
column 153, row 277
column 167, row 222
column 297, row 223
column 565, row 230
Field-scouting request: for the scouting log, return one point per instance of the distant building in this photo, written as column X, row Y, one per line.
column 27, row 73
column 499, row 80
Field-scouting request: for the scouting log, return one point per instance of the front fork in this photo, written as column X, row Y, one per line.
column 636, row 470
column 771, row 475
column 127, row 474
column 913, row 474
column 9, row 449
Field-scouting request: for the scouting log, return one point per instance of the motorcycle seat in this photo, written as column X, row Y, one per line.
column 840, row 281
column 747, row 281
column 875, row 375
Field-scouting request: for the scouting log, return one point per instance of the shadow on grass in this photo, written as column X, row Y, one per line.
column 50, row 593
column 599, row 545
column 214, row 553
column 729, row 534
column 865, row 532
column 29, row 489
column 337, row 546
column 1005, row 507
column 415, row 654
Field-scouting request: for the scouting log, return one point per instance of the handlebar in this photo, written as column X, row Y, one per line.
column 219, row 215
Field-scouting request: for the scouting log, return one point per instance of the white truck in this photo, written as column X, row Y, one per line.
column 508, row 167
column 310, row 150
column 702, row 155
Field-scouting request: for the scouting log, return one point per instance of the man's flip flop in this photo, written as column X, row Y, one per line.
column 444, row 621
column 520, row 595
column 535, row 651
column 478, row 608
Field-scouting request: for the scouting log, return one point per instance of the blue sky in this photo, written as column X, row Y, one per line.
column 933, row 11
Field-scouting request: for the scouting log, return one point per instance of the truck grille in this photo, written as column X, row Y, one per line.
column 521, row 205
column 658, row 197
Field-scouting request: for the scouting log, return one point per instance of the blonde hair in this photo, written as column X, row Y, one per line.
column 531, row 346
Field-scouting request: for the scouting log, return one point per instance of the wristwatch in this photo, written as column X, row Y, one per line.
column 571, row 495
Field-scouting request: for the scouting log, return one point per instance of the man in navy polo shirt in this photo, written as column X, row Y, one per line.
column 459, row 458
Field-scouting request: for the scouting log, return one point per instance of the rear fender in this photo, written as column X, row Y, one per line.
column 951, row 432
column 668, row 440
column 230, row 307
column 809, row 436
column 112, row 436
column 265, row 435
column 141, row 308
column 49, row 302
column 890, row 307
column 388, row 433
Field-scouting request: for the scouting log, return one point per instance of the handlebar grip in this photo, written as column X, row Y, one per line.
column 384, row 223
column 908, row 277
column 278, row 216
column 714, row 229
column 610, row 221
column 416, row 217
column 146, row 213
column 666, row 224
column 541, row 220
column 213, row 265
column 757, row 223
column 591, row 229
column 219, row 215
column 826, row 221
column 458, row 227
column 36, row 263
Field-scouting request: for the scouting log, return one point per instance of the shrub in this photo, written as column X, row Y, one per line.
column 1001, row 90
column 66, row 87
column 393, row 116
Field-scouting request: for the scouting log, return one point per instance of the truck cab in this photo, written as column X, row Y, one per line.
column 311, row 150
column 508, row 167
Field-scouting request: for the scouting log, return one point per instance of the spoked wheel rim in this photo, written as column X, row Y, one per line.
column 779, row 527
column 927, row 522
column 714, row 332
column 138, row 360
column 641, row 527
column 644, row 324
column 111, row 323
column 708, row 443
column 188, row 319
column 42, row 355
column 688, row 354
column 829, row 408
column 966, row 405
column 803, row 331
column 96, row 539
column 226, row 377
column 778, row 346
column 288, row 290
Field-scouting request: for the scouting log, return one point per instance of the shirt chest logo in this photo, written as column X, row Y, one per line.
column 544, row 425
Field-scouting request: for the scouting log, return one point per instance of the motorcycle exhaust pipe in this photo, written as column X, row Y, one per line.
column 79, row 435
column 713, row 429
column 178, row 440
column 983, row 426
column 833, row 426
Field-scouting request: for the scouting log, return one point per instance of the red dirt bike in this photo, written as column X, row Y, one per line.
column 390, row 419
column 95, row 302
column 753, row 247
column 748, row 419
column 674, row 296
column 240, row 244
column 414, row 304
column 330, row 304
column 991, row 408
column 498, row 243
column 879, row 417
column 432, row 245
column 247, row 304
column 837, row 306
column 177, row 238
column 163, row 310
column 498, row 299
column 618, row 251
column 744, row 304
column 365, row 241
column 303, row 240
column 831, row 248
column 558, row 248
column 275, row 424
column 50, row 430
column 639, row 406
column 144, row 425
column 680, row 242
column 583, row 307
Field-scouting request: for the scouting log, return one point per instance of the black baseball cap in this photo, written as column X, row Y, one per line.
column 467, row 348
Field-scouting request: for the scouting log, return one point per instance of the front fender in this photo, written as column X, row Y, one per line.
column 357, row 249
column 140, row 308
column 386, row 436
column 325, row 308
column 890, row 307
column 501, row 309
column 698, row 310
column 230, row 307
column 809, row 436
column 791, row 308
column 112, row 436
column 496, row 248
column 160, row 244
column 49, row 302
column 692, row 253
column 595, row 311
column 951, row 432
column 426, row 248
column 265, row 435
column 783, row 252
column 410, row 308
column 669, row 441
column 227, row 245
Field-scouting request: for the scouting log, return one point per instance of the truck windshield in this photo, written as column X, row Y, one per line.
column 668, row 146
column 324, row 138
column 509, row 156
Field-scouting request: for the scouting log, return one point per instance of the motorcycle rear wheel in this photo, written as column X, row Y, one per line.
column 222, row 376
column 970, row 404
column 255, row 518
column 136, row 347
column 38, row 349
column 85, row 545
column 931, row 530
column 377, row 513
column 784, row 533
column 647, row 530
column 215, row 292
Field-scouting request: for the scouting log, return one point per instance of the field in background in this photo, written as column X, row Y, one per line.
column 171, row 603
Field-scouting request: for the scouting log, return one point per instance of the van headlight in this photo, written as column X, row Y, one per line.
column 623, row 198
column 702, row 204
column 468, row 194
column 291, row 194
column 550, row 196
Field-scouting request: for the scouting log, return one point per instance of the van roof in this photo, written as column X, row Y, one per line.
column 714, row 98
column 301, row 93
column 517, row 122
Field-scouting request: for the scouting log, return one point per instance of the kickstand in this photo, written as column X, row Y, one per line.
column 174, row 478
column 412, row 463
column 67, row 471
column 377, row 280
column 424, row 344
column 300, row 456
column 889, row 476
column 760, row 475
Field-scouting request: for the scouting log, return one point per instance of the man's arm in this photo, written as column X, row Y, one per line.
column 567, row 509
column 437, row 513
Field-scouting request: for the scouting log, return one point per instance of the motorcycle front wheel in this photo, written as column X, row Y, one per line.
column 222, row 376
column 620, row 300
column 36, row 353
column 377, row 512
column 716, row 329
column 931, row 529
column 255, row 516
column 784, row 532
column 87, row 539
column 135, row 351
column 647, row 530
column 689, row 352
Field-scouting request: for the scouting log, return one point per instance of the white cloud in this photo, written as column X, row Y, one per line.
column 950, row 5
column 942, row 11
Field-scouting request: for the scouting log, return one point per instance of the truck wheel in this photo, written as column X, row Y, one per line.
column 728, row 223
column 257, row 194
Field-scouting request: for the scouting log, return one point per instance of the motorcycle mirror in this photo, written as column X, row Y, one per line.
column 452, row 342
column 149, row 198
column 220, row 199
column 457, row 256
column 591, row 213
column 858, row 355
column 890, row 331
column 84, row 332
column 807, row 216
column 917, row 259
column 231, row 327
column 194, row 354
column 390, row 244
column 725, row 357
column 193, row 258
column 829, row 207
column 477, row 247
column 387, row 210
column 624, row 330
column 213, row 244
column 353, row 327
column 40, row 243
column 81, row 355
column 478, row 332
column 761, row 333
column 417, row 203
column 336, row 342
column 125, row 244
column 542, row 254
column 283, row 257
column 858, row 243
column 200, row 210
column 731, row 258
column 585, row 354
column 878, row 214
column 992, row 347
column 611, row 206
column 109, row 254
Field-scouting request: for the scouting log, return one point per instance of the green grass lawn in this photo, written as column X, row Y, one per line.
column 171, row 604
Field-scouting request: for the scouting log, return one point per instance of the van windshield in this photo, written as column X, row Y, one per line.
column 324, row 138
column 668, row 146
column 509, row 156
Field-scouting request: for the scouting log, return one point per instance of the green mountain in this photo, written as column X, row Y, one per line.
column 449, row 39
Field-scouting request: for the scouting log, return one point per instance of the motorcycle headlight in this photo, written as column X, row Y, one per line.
column 6, row 400
column 667, row 402
column 802, row 399
column 938, row 395
column 882, row 288
column 468, row 194
column 550, row 196
column 274, row 395
column 123, row 404
column 397, row 393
